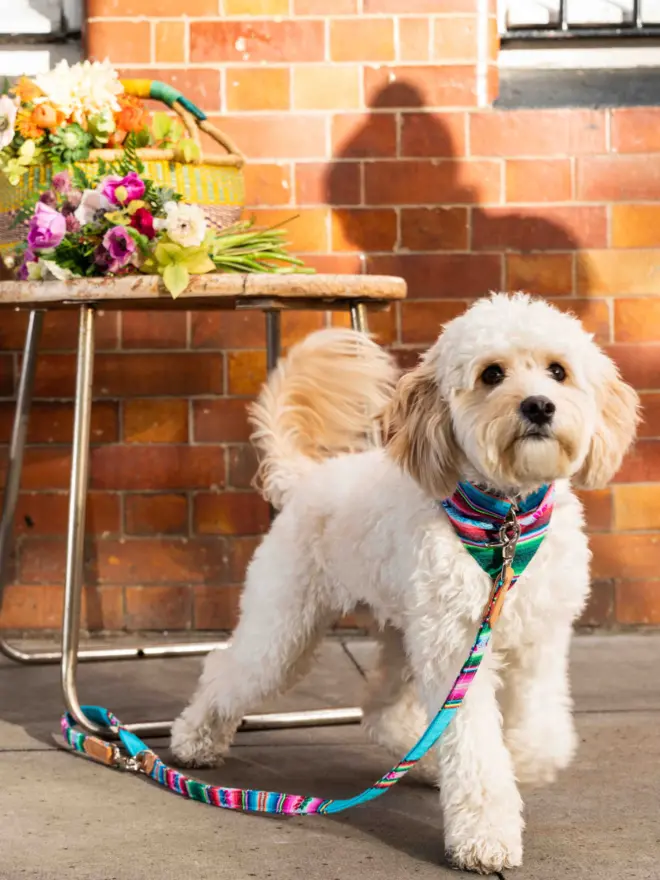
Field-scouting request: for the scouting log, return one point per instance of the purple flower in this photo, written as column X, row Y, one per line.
column 62, row 182
column 122, row 190
column 120, row 246
column 47, row 228
column 48, row 198
column 29, row 256
column 102, row 259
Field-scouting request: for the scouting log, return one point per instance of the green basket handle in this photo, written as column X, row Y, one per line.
column 193, row 118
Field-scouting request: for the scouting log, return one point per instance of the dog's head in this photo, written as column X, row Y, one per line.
column 513, row 394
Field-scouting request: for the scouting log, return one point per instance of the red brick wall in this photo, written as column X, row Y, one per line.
column 370, row 119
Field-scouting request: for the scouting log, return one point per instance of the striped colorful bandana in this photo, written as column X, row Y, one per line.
column 478, row 516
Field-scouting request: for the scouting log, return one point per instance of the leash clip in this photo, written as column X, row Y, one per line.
column 509, row 536
column 129, row 763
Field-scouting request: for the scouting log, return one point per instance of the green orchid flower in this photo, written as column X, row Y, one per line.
column 176, row 264
column 15, row 166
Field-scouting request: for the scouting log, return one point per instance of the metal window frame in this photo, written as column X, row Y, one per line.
column 564, row 31
column 68, row 29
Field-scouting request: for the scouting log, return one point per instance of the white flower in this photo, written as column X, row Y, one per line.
column 184, row 224
column 91, row 205
column 52, row 271
column 82, row 90
column 8, row 110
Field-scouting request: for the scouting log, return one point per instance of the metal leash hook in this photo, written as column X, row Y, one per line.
column 509, row 537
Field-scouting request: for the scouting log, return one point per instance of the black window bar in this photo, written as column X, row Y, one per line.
column 563, row 30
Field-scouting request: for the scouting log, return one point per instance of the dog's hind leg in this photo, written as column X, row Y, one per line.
column 282, row 620
column 393, row 714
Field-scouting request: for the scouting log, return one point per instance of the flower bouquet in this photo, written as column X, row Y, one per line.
column 78, row 115
column 118, row 221
column 60, row 116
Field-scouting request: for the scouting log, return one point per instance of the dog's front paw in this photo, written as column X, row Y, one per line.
column 485, row 854
column 195, row 745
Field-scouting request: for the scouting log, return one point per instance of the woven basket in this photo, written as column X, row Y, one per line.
column 215, row 183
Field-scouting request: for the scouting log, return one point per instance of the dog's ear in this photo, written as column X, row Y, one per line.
column 617, row 419
column 419, row 432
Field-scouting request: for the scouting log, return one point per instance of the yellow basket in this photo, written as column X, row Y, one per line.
column 215, row 183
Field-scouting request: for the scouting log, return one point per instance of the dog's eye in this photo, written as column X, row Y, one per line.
column 492, row 375
column 557, row 372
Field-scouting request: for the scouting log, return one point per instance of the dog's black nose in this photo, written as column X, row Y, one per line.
column 538, row 410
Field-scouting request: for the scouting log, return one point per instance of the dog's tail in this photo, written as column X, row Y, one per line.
column 321, row 400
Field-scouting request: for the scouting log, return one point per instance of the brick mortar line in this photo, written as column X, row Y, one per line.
column 220, row 18
column 370, row 64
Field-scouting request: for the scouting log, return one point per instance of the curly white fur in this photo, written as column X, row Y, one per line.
column 365, row 527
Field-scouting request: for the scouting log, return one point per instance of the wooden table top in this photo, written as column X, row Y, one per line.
column 212, row 291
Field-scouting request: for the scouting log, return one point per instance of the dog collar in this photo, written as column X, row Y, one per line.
column 479, row 516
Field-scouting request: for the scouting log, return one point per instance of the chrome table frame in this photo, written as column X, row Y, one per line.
column 70, row 654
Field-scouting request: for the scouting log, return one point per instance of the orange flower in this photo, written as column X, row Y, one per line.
column 46, row 116
column 117, row 138
column 26, row 91
column 132, row 116
column 132, row 119
column 26, row 126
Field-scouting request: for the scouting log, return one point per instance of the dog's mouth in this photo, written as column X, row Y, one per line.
column 535, row 433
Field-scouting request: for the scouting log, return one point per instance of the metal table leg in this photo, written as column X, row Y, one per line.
column 273, row 338
column 15, row 465
column 75, row 559
column 359, row 319
column 75, row 540
column 16, row 449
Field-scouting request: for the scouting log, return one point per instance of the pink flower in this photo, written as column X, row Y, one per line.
column 62, row 182
column 47, row 228
column 72, row 203
column 120, row 247
column 49, row 198
column 122, row 190
column 72, row 224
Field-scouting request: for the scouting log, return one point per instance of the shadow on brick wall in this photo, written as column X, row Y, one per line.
column 435, row 217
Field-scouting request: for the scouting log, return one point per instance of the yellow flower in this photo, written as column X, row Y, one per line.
column 26, row 90
column 26, row 126
column 14, row 171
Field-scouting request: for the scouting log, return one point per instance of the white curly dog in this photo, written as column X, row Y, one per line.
column 514, row 394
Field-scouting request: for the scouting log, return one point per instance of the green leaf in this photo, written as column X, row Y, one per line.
column 142, row 139
column 141, row 240
column 190, row 150
column 80, row 179
column 161, row 126
column 150, row 267
column 176, row 278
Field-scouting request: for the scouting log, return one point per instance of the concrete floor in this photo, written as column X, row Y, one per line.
column 61, row 816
